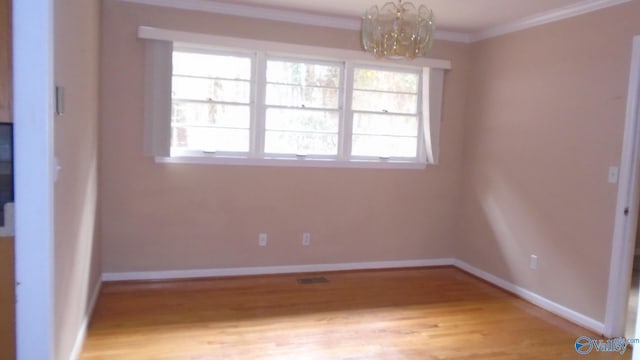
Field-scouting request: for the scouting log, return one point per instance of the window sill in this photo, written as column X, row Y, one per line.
column 322, row 163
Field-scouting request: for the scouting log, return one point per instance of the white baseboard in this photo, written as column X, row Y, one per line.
column 268, row 270
column 534, row 298
column 527, row 295
column 82, row 332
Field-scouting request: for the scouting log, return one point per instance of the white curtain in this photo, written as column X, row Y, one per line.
column 157, row 97
column 433, row 83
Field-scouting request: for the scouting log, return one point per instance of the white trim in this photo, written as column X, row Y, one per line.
column 289, row 16
column 458, row 37
column 282, row 49
column 317, row 163
column 256, row 12
column 534, row 298
column 546, row 17
column 34, row 176
column 82, row 332
column 268, row 270
column 624, row 232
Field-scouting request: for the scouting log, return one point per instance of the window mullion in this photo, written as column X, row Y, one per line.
column 346, row 114
column 259, row 108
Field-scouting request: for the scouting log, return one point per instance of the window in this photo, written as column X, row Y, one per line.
column 210, row 103
column 302, row 108
column 207, row 104
column 386, row 113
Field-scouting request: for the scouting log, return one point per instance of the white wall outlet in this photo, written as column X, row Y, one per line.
column 533, row 262
column 59, row 100
column 306, row 239
column 56, row 169
column 613, row 174
column 262, row 239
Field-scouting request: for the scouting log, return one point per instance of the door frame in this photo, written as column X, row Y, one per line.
column 33, row 113
column 626, row 212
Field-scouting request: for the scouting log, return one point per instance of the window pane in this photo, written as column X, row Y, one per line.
column 201, row 84
column 302, row 120
column 295, row 73
column 379, row 99
column 301, row 96
column 210, row 65
column 384, row 102
column 211, row 89
column 210, row 139
column 221, row 115
column 393, row 81
column 374, row 124
column 384, row 146
column 283, row 142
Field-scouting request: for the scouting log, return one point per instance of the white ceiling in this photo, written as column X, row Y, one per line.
column 456, row 20
column 462, row 16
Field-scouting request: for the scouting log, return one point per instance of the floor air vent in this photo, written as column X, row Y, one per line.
column 313, row 280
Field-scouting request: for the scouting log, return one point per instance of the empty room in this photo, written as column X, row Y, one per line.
column 281, row 179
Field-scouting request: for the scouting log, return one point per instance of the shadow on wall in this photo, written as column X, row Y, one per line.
column 77, row 239
column 508, row 224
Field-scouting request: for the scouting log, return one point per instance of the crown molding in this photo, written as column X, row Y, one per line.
column 570, row 11
column 453, row 36
column 290, row 16
column 255, row 12
column 338, row 22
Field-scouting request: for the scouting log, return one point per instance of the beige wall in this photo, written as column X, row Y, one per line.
column 544, row 122
column 77, row 263
column 169, row 217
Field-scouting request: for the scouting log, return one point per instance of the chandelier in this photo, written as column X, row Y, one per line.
column 398, row 30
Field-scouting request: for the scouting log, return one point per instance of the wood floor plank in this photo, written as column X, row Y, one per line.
column 430, row 313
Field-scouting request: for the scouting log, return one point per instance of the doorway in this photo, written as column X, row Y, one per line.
column 627, row 211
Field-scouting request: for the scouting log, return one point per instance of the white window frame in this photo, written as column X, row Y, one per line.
column 159, row 45
column 339, row 109
column 252, row 101
column 420, row 153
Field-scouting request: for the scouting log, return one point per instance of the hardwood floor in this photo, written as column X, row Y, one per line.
column 435, row 313
column 7, row 300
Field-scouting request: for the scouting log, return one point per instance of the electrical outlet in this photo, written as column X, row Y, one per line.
column 533, row 262
column 306, row 239
column 262, row 239
column 613, row 174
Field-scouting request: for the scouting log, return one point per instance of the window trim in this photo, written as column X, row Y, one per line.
column 264, row 50
column 290, row 162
